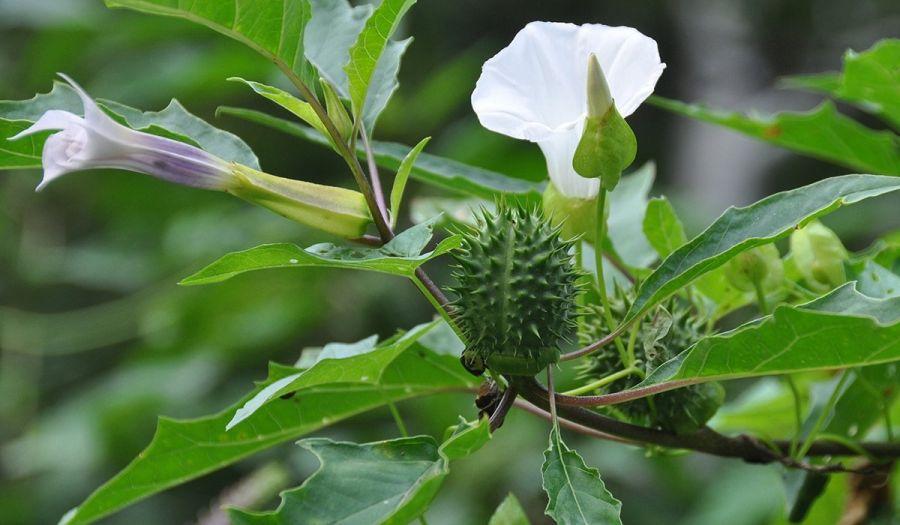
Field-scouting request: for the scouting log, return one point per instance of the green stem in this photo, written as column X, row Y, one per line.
column 401, row 426
column 601, row 282
column 798, row 413
column 826, row 410
column 611, row 378
column 439, row 308
column 761, row 297
column 632, row 340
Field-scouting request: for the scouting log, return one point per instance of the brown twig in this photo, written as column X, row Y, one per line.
column 705, row 440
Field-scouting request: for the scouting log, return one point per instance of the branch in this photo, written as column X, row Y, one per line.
column 705, row 440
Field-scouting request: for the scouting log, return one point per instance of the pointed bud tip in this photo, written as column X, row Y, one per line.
column 598, row 94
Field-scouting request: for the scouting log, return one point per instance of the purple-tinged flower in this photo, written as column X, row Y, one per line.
column 97, row 141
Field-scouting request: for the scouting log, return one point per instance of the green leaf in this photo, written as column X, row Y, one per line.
column 510, row 512
column 437, row 171
column 840, row 330
column 627, row 208
column 868, row 395
column 272, row 28
column 366, row 52
column 361, row 366
column 184, row 450
column 335, row 29
column 821, row 133
column 174, row 122
column 739, row 229
column 403, row 172
column 387, row 482
column 875, row 280
column 662, row 227
column 398, row 257
column 289, row 102
column 870, row 79
column 577, row 495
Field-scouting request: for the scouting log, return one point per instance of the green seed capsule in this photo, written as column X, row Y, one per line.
column 515, row 292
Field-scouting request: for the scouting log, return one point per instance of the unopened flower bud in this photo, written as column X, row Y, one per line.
column 607, row 144
column 819, row 256
column 336, row 110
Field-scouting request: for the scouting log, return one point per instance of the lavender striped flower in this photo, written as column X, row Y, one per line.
column 97, row 141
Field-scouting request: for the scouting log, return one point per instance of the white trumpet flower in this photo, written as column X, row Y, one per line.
column 97, row 141
column 534, row 89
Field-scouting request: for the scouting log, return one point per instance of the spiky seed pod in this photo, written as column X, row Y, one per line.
column 515, row 291
column 665, row 333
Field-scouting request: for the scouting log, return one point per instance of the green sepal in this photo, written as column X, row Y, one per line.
column 529, row 364
column 606, row 148
column 335, row 210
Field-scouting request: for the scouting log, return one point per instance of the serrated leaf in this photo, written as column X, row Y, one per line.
column 398, row 257
column 368, row 49
column 739, row 229
column 662, row 227
column 272, row 28
column 364, row 367
column 510, row 512
column 577, row 495
column 821, row 132
column 387, row 482
column 437, row 171
column 870, row 79
column 184, row 450
column 173, row 122
column 301, row 109
column 406, row 166
column 840, row 330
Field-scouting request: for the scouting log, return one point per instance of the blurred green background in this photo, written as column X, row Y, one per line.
column 96, row 339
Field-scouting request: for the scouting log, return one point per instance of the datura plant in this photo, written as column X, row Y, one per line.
column 578, row 300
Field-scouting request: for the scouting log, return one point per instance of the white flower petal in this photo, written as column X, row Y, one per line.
column 535, row 88
column 51, row 120
column 559, row 149
column 59, row 149
column 93, row 115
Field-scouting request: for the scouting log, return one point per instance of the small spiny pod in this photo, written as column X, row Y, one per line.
column 515, row 292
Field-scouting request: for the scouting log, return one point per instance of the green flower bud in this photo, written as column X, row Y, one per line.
column 819, row 256
column 335, row 210
column 607, row 144
column 575, row 216
column 761, row 265
column 336, row 110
